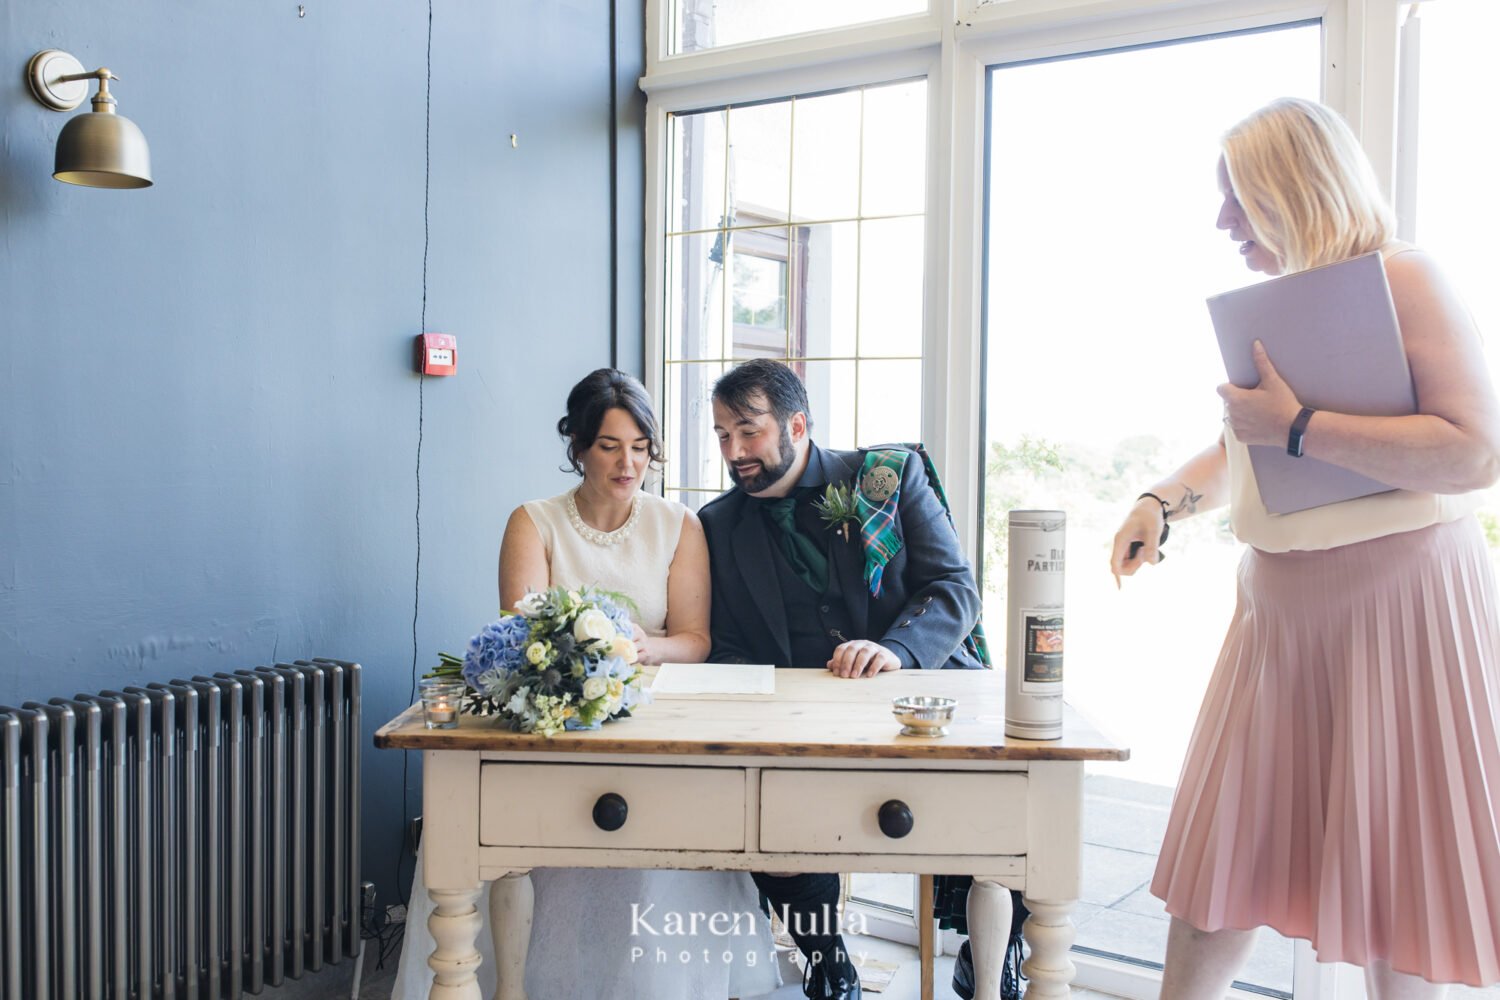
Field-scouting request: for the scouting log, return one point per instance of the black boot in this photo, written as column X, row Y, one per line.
column 808, row 907
column 1010, row 973
column 963, row 972
column 833, row 978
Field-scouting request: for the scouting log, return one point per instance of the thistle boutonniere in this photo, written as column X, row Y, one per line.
column 837, row 508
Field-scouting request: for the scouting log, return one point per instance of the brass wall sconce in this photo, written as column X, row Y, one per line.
column 99, row 149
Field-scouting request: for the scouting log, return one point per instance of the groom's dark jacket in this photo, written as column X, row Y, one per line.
column 928, row 601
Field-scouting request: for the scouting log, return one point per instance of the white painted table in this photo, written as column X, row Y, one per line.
column 790, row 784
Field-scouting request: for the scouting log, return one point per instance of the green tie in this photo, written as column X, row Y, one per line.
column 808, row 561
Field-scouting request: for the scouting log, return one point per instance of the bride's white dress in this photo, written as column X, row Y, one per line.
column 585, row 941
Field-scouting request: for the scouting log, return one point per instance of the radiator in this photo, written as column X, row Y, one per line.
column 191, row 839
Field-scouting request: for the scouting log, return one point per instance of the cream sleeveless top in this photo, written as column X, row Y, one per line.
column 634, row 559
column 1335, row 524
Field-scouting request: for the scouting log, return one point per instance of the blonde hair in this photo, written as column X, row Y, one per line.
column 1305, row 185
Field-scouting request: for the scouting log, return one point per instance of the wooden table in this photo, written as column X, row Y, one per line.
column 784, row 785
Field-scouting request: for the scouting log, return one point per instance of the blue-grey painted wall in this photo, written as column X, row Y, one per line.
column 208, row 423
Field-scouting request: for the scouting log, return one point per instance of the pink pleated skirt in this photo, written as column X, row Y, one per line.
column 1343, row 780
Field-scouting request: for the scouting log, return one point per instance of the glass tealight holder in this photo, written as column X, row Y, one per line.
column 441, row 700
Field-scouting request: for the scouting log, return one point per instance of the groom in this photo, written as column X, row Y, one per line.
column 790, row 589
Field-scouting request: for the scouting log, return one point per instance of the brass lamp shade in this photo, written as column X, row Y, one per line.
column 104, row 150
column 99, row 149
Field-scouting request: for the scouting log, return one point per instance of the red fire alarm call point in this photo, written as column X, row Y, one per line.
column 437, row 353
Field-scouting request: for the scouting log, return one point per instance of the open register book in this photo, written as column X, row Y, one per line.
column 756, row 681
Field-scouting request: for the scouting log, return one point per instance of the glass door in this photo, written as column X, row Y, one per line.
column 1101, row 366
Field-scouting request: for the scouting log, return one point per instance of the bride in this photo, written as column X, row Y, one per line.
column 608, row 532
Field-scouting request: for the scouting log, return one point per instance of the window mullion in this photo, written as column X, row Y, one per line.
column 1361, row 51
column 659, row 15
column 953, row 371
column 1408, row 93
column 658, row 158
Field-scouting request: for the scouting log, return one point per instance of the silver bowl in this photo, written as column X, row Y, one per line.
column 923, row 716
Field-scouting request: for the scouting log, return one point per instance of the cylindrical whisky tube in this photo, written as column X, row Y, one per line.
column 1034, row 625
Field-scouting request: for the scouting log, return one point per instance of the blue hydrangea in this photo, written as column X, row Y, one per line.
column 499, row 647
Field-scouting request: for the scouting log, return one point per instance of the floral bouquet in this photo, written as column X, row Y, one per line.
column 564, row 660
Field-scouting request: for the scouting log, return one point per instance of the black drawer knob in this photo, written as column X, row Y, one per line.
column 895, row 819
column 610, row 812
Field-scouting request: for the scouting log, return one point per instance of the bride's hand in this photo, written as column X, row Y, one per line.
column 639, row 637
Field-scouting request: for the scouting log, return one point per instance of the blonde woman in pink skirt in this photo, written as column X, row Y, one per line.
column 1343, row 780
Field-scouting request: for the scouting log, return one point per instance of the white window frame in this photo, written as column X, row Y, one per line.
column 882, row 52
column 953, row 44
column 1358, row 65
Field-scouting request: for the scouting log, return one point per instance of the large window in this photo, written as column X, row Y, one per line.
column 795, row 230
column 818, row 178
column 1104, row 250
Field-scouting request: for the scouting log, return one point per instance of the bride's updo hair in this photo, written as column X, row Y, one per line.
column 596, row 394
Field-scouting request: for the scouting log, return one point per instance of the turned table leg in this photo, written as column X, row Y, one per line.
column 454, row 924
column 989, row 913
column 511, row 901
column 1049, row 931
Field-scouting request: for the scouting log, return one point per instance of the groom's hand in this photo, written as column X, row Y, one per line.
column 862, row 658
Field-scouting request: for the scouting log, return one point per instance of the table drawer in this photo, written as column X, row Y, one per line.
column 667, row 808
column 953, row 812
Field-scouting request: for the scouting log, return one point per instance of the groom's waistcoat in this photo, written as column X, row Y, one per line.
column 763, row 613
column 816, row 622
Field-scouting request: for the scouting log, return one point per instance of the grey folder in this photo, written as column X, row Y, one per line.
column 1332, row 334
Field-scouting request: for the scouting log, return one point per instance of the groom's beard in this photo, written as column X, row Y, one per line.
column 762, row 477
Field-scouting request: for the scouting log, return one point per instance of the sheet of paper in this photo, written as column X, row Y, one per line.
column 715, row 680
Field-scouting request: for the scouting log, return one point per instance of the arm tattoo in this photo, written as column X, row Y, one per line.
column 1188, row 504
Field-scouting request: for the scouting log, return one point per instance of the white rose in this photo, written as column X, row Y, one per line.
column 624, row 648
column 593, row 625
column 536, row 653
column 530, row 606
column 595, row 687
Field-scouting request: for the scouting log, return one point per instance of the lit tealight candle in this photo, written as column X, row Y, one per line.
column 441, row 700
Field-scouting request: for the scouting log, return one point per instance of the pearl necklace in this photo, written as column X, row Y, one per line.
column 594, row 534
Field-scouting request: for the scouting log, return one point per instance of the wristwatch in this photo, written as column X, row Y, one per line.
column 1299, row 428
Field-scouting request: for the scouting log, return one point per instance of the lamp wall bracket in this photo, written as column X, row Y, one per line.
column 58, row 80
